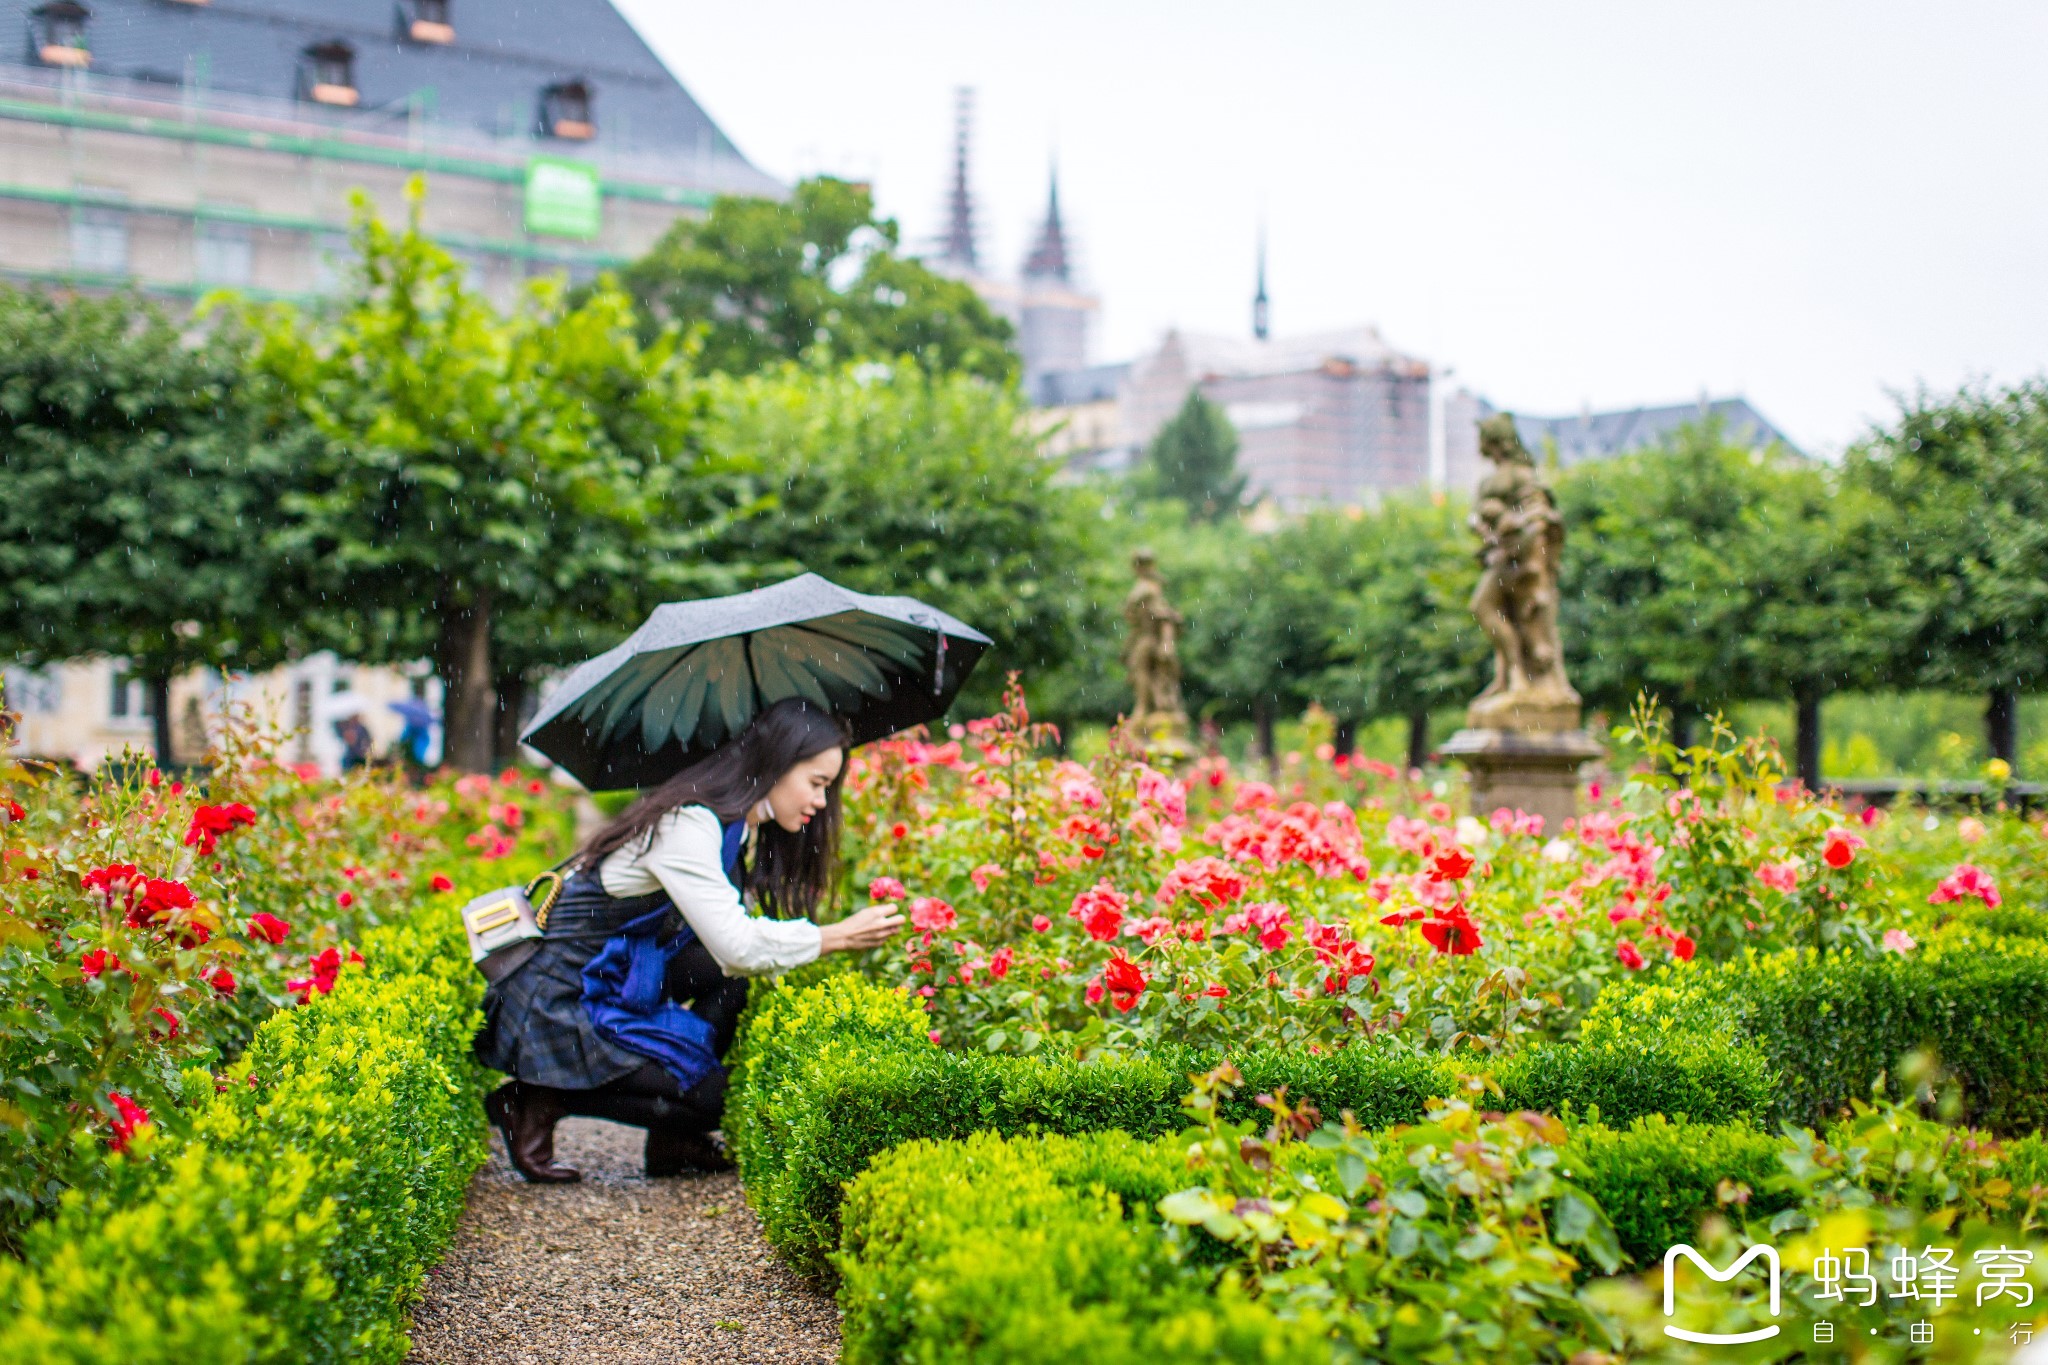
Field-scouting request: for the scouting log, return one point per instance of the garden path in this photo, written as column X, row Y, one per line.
column 616, row 1268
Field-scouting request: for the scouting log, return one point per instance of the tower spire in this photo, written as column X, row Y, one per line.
column 960, row 200
column 1048, row 259
column 1260, row 308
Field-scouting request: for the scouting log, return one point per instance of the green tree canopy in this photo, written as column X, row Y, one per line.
column 766, row 281
column 135, row 483
column 1708, row 573
column 900, row 481
column 486, row 488
column 1965, row 479
column 1194, row 458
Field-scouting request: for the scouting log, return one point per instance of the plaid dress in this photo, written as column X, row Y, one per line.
column 535, row 1026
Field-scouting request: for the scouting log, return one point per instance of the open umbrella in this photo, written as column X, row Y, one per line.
column 696, row 673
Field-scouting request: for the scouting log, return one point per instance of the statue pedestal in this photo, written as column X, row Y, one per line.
column 1536, row 771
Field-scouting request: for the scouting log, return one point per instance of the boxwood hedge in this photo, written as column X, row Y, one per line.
column 319, row 1181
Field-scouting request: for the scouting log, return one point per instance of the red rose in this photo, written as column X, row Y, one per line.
column 1841, row 846
column 222, row 980
column 97, row 961
column 1040, row 923
column 210, row 822
column 442, row 882
column 1630, row 957
column 345, row 899
column 1124, row 980
column 1451, row 865
column 1683, row 948
column 1101, row 911
column 171, row 1022
column 1454, row 933
column 887, row 889
column 108, row 880
column 1216, row 992
column 1212, row 882
column 128, row 1117
column 268, row 928
column 12, row 811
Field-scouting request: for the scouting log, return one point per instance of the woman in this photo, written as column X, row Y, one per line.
column 652, row 920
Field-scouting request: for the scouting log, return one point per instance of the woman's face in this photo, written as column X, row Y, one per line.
column 802, row 791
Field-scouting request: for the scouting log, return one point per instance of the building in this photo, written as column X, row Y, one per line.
column 1336, row 418
column 1053, row 315
column 181, row 145
column 1595, row 435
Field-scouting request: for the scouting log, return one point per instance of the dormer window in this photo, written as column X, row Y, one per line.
column 430, row 22
column 565, row 111
column 331, row 74
column 59, row 30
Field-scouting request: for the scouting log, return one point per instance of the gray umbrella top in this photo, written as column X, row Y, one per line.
column 695, row 673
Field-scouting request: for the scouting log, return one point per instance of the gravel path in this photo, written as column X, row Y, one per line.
column 617, row 1268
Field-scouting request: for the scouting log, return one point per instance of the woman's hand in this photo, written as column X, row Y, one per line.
column 871, row 928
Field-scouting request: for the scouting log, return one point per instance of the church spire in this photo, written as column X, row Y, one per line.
column 1260, row 309
column 1048, row 259
column 959, row 241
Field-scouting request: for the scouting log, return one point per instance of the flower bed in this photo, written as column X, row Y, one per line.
column 1088, row 936
column 1108, row 906
column 240, row 1111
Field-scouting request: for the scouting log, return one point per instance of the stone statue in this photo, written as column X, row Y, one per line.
column 1521, row 539
column 1152, row 650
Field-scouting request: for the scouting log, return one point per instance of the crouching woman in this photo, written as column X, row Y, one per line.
column 629, row 1007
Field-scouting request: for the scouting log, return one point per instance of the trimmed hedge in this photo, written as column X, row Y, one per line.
column 832, row 1074
column 1832, row 1024
column 317, row 1185
column 1047, row 1248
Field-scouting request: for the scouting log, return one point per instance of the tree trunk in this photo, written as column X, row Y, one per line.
column 467, row 711
column 1262, row 719
column 1418, row 740
column 1806, row 744
column 1345, row 741
column 510, row 695
column 2002, row 725
column 159, row 693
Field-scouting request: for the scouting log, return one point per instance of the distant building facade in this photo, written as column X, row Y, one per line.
column 1053, row 315
column 181, row 146
column 1337, row 418
column 1595, row 435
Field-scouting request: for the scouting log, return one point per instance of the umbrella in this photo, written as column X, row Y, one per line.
column 413, row 711
column 697, row 672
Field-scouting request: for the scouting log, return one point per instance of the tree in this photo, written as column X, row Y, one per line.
column 1403, row 641
column 135, row 480
column 482, row 483
column 901, row 481
column 1965, row 482
column 1194, row 458
column 1707, row 574
column 764, row 281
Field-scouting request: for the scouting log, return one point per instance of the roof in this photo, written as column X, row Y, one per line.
column 489, row 79
column 1243, row 357
column 1592, row 435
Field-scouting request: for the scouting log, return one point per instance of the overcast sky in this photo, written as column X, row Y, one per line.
column 1570, row 203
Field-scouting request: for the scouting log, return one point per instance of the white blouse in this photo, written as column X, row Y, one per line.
column 684, row 860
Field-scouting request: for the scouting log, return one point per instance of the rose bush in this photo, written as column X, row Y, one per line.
column 1111, row 905
column 148, row 924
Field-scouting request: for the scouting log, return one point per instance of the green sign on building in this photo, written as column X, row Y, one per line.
column 563, row 198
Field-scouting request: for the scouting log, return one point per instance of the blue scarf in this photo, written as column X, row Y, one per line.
column 622, row 989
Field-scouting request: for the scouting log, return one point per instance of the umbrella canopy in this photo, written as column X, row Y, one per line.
column 696, row 673
column 413, row 711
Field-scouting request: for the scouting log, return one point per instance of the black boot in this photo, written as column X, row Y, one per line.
column 676, row 1151
column 526, row 1115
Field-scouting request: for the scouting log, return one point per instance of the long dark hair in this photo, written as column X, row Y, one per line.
column 788, row 873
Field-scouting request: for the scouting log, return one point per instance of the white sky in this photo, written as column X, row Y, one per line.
column 1570, row 203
